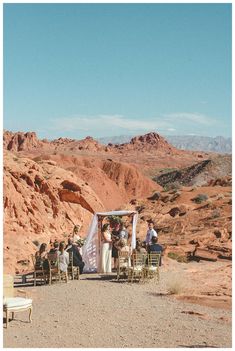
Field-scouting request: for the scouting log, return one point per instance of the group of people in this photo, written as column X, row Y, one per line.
column 115, row 239
column 150, row 244
column 62, row 252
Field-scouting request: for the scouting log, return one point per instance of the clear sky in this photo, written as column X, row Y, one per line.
column 74, row 70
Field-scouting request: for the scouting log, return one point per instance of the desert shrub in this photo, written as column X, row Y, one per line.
column 166, row 188
column 167, row 170
column 182, row 259
column 172, row 255
column 210, row 202
column 200, row 198
column 215, row 213
column 175, row 286
column 172, row 186
column 177, row 257
column 37, row 159
column 220, row 196
column 36, row 242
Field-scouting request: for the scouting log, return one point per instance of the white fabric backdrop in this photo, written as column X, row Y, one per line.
column 91, row 250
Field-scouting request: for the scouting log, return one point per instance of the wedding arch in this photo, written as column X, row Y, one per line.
column 92, row 246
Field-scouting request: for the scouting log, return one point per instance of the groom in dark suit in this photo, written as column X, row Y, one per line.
column 155, row 247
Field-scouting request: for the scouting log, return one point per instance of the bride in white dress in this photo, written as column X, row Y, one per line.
column 106, row 250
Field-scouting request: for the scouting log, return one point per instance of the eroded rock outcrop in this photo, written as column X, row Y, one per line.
column 150, row 142
column 41, row 201
column 21, row 141
column 189, row 230
column 114, row 182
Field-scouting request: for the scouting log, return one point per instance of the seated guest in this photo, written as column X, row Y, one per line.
column 155, row 247
column 41, row 257
column 55, row 248
column 125, row 251
column 77, row 258
column 140, row 247
column 63, row 259
column 122, row 246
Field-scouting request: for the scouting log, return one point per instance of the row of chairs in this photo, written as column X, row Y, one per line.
column 139, row 266
column 53, row 271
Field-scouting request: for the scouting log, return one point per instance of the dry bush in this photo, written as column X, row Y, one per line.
column 200, row 198
column 177, row 257
column 215, row 213
column 175, row 286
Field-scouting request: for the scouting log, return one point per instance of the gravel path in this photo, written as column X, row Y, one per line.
column 101, row 312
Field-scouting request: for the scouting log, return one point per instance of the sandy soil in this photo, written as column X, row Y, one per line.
column 101, row 312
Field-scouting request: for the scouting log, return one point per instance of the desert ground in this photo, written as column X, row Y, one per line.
column 183, row 310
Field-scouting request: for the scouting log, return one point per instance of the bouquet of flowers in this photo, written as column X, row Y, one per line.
column 80, row 242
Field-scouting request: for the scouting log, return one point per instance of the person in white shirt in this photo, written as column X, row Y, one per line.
column 75, row 234
column 150, row 233
column 63, row 260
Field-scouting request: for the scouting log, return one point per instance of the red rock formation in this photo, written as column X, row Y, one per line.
column 41, row 201
column 150, row 142
column 21, row 141
column 87, row 144
column 114, row 182
column 196, row 231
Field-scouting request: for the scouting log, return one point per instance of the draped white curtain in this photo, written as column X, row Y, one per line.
column 90, row 249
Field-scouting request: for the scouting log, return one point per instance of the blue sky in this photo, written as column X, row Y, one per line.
column 74, row 70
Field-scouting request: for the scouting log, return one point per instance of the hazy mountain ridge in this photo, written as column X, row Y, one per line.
column 186, row 142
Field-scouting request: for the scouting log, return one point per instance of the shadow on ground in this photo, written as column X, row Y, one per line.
column 198, row 346
column 101, row 277
column 157, row 294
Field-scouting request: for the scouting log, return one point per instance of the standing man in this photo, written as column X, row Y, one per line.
column 150, row 233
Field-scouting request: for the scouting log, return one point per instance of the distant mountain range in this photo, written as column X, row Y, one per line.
column 185, row 142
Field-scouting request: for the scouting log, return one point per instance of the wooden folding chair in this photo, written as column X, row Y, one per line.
column 151, row 268
column 53, row 263
column 38, row 271
column 123, row 264
column 73, row 271
column 135, row 271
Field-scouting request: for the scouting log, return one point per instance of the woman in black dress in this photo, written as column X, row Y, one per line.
column 115, row 239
